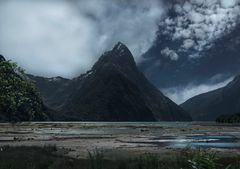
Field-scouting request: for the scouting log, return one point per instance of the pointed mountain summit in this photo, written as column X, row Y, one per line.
column 119, row 56
column 114, row 90
column 211, row 105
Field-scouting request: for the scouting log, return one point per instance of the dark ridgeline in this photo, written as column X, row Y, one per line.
column 113, row 90
column 211, row 105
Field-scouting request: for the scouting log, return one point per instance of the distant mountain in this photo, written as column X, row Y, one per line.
column 113, row 90
column 211, row 105
column 19, row 99
column 53, row 90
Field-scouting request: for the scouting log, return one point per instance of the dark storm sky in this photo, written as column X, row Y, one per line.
column 65, row 37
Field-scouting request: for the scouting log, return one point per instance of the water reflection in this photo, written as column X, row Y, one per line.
column 224, row 141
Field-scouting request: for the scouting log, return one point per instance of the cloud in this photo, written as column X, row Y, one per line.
column 199, row 23
column 228, row 3
column 65, row 38
column 182, row 94
column 188, row 43
column 169, row 54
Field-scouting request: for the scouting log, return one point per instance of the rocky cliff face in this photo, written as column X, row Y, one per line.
column 113, row 90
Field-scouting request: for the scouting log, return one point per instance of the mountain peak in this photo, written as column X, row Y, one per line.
column 2, row 58
column 113, row 90
column 119, row 46
column 119, row 56
column 121, row 50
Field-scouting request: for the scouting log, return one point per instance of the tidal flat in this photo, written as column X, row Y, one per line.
column 123, row 139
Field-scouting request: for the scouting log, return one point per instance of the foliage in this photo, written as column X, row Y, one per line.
column 235, row 118
column 96, row 159
column 203, row 160
column 19, row 100
column 48, row 157
column 149, row 162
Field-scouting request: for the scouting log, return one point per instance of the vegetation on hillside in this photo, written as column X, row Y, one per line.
column 19, row 100
column 235, row 118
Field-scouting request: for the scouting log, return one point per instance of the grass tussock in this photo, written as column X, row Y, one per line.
column 48, row 158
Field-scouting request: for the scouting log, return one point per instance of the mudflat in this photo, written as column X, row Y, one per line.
column 76, row 139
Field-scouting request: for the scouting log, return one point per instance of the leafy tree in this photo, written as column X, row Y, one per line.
column 19, row 99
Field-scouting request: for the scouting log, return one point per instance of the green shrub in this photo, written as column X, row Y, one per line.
column 235, row 118
column 203, row 160
column 19, row 99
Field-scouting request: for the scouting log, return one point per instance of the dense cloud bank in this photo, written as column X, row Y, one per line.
column 41, row 34
column 190, row 43
column 199, row 22
column 66, row 37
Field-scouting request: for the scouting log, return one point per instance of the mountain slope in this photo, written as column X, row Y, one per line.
column 53, row 90
column 211, row 105
column 114, row 89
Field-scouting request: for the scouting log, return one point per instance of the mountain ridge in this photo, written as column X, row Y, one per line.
column 113, row 82
column 209, row 106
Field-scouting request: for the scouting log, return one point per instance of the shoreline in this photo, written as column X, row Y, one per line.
column 134, row 138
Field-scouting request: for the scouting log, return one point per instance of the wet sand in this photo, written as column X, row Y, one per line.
column 75, row 139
